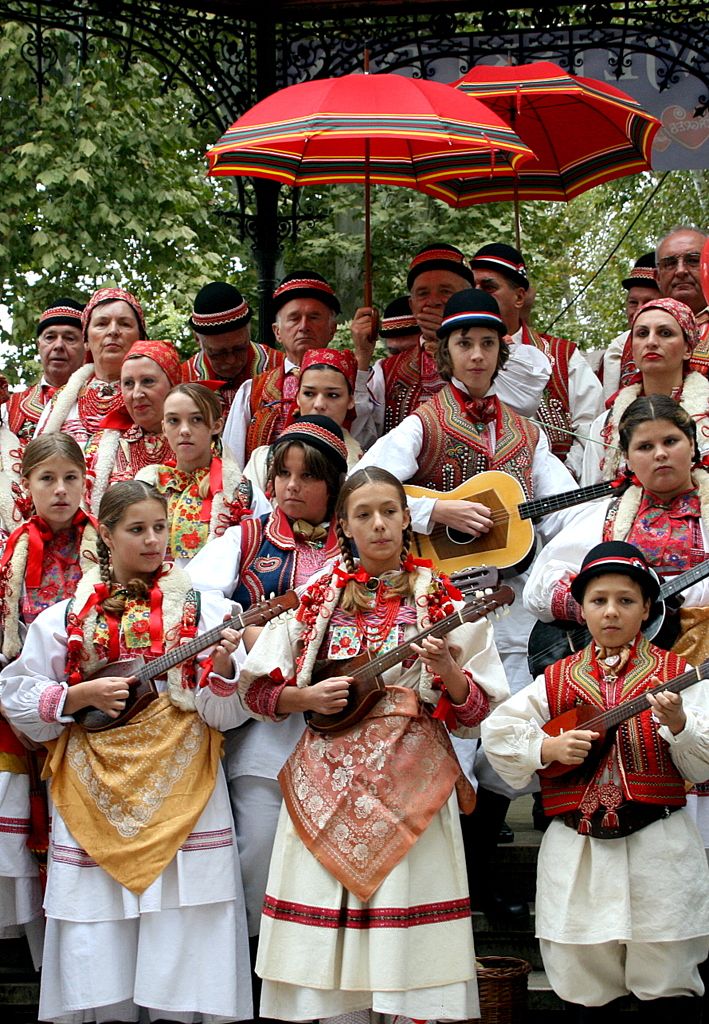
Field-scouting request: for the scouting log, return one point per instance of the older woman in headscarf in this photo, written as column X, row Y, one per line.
column 111, row 321
column 131, row 437
column 664, row 334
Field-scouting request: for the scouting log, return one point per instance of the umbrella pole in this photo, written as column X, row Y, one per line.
column 518, row 233
column 367, row 208
column 367, row 232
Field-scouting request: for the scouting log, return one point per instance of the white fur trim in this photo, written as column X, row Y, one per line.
column 10, row 460
column 66, row 398
column 694, row 399
column 12, row 642
column 102, row 465
column 630, row 503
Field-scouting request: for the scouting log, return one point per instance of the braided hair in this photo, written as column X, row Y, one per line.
column 355, row 597
column 114, row 504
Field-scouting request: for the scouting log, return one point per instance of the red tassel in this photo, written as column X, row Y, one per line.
column 610, row 820
column 584, row 828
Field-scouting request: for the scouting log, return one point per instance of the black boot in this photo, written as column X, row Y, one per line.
column 672, row 1010
column 607, row 1014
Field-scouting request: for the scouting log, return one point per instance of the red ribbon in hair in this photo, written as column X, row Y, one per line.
column 216, row 484
column 343, row 577
column 410, row 563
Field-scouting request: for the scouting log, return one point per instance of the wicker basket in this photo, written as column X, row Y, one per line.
column 502, row 984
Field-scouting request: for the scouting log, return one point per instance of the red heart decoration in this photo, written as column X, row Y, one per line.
column 691, row 132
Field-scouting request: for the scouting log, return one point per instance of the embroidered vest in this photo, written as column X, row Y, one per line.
column 262, row 359
column 647, row 773
column 554, row 409
column 269, row 558
column 409, row 381
column 268, row 415
column 24, row 409
column 453, row 451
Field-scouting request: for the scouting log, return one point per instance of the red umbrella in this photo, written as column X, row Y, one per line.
column 582, row 132
column 382, row 129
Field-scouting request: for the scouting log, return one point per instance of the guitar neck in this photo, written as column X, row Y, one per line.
column 470, row 612
column 614, row 716
column 685, row 579
column 260, row 613
column 538, row 507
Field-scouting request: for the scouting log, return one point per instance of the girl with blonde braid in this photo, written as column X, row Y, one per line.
column 144, row 902
column 367, row 906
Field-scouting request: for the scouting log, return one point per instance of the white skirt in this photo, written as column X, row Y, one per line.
column 179, row 950
column 408, row 951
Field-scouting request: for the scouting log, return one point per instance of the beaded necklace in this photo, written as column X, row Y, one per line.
column 97, row 399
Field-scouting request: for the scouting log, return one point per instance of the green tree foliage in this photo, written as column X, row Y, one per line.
column 102, row 183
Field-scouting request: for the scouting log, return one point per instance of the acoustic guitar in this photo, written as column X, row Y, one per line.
column 605, row 723
column 143, row 692
column 510, row 543
column 551, row 641
column 367, row 686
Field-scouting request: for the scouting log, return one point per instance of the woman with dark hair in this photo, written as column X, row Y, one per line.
column 111, row 321
column 143, row 884
column 326, row 386
column 41, row 564
column 664, row 334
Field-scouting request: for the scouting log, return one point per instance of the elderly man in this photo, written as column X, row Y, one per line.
column 678, row 257
column 400, row 383
column 61, row 351
column 641, row 286
column 573, row 396
column 306, row 317
column 678, row 274
column 220, row 323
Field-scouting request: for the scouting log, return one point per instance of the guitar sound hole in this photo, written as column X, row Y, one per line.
column 457, row 537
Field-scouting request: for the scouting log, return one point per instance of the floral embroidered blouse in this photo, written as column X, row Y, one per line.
column 60, row 574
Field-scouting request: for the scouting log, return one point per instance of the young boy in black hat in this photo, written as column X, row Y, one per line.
column 622, row 896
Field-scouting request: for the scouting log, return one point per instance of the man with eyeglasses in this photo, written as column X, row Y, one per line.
column 678, row 275
column 220, row 322
column 678, row 259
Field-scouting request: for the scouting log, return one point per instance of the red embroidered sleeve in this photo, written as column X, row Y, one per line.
column 49, row 702
column 222, row 687
column 476, row 706
column 262, row 697
column 563, row 605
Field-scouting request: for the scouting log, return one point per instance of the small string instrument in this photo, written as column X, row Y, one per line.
column 605, row 723
column 143, row 692
column 551, row 641
column 367, row 686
